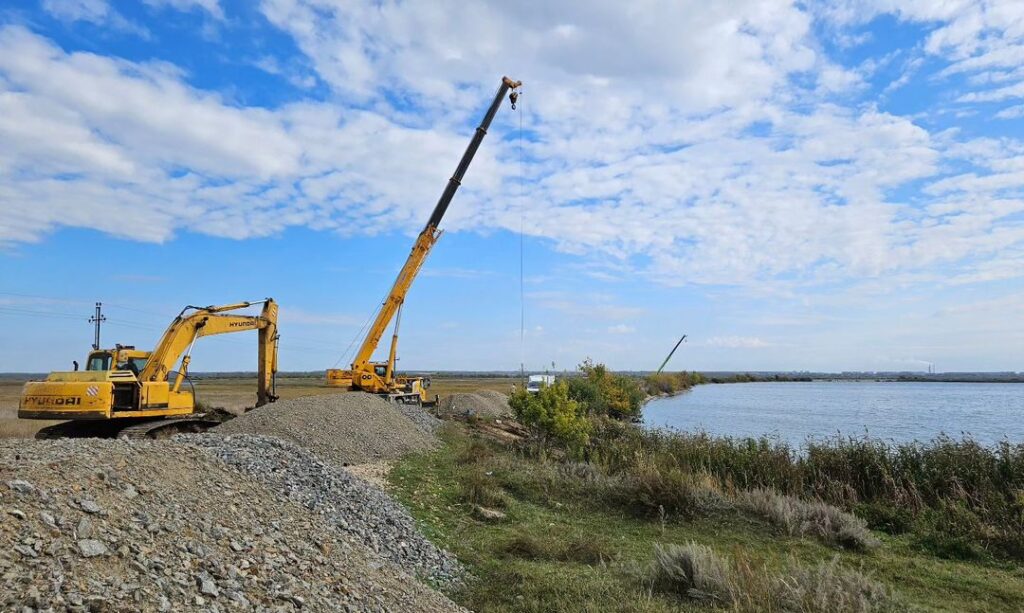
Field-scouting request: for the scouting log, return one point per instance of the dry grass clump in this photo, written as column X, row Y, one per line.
column 797, row 517
column 830, row 587
column 692, row 571
column 697, row 572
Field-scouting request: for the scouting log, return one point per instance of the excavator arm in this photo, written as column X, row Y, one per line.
column 183, row 332
column 425, row 241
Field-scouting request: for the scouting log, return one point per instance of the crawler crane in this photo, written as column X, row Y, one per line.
column 129, row 392
column 380, row 377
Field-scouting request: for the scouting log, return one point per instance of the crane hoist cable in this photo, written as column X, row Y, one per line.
column 359, row 333
column 522, row 252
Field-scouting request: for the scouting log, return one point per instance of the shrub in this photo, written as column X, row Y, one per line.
column 553, row 413
column 650, row 490
column 671, row 382
column 619, row 396
column 588, row 394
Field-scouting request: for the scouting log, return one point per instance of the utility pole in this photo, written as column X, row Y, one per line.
column 97, row 319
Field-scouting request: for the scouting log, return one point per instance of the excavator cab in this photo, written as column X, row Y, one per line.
column 122, row 357
column 99, row 360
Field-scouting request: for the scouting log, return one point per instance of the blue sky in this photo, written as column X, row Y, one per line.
column 795, row 185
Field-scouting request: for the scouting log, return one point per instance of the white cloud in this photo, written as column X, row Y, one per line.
column 210, row 6
column 736, row 342
column 1011, row 112
column 98, row 12
column 621, row 329
column 716, row 148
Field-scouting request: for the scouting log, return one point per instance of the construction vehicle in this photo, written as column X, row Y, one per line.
column 132, row 393
column 670, row 354
column 380, row 377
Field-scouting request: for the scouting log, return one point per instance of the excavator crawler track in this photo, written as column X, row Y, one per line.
column 166, row 428
column 136, row 430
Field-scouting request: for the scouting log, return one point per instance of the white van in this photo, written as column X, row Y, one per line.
column 537, row 381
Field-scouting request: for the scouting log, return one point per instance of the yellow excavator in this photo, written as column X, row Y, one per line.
column 131, row 393
column 380, row 377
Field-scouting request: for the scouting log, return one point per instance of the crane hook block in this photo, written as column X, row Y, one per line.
column 512, row 97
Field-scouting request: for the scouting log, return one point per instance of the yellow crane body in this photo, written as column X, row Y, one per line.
column 380, row 377
column 126, row 383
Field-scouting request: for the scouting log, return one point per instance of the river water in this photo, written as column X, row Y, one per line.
column 794, row 412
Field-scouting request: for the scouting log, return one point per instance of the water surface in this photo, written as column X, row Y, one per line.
column 989, row 412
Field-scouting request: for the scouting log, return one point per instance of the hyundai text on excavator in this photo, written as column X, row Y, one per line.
column 380, row 377
column 129, row 392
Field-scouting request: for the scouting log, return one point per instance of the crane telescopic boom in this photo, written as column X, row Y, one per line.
column 670, row 354
column 379, row 378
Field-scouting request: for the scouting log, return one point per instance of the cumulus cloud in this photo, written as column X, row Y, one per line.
column 685, row 141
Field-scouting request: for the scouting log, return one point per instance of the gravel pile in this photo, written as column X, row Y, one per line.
column 111, row 525
column 351, row 504
column 346, row 428
column 419, row 416
column 485, row 403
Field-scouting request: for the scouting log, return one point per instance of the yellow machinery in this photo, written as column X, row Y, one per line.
column 380, row 377
column 131, row 392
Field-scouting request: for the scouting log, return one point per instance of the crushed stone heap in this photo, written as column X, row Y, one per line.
column 341, row 429
column 485, row 403
column 113, row 525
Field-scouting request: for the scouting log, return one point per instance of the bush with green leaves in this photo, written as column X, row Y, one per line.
column 672, row 382
column 618, row 396
column 554, row 414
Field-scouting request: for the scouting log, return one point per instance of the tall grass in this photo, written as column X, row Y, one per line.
column 959, row 497
column 697, row 572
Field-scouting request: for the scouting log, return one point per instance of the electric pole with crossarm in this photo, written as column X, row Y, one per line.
column 97, row 319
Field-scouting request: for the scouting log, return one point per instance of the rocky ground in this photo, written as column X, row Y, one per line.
column 347, row 502
column 341, row 429
column 221, row 521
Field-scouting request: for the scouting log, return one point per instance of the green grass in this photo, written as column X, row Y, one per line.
column 561, row 548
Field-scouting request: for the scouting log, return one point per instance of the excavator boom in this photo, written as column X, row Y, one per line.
column 210, row 321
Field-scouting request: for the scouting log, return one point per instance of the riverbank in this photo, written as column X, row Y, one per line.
column 570, row 536
column 593, row 512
